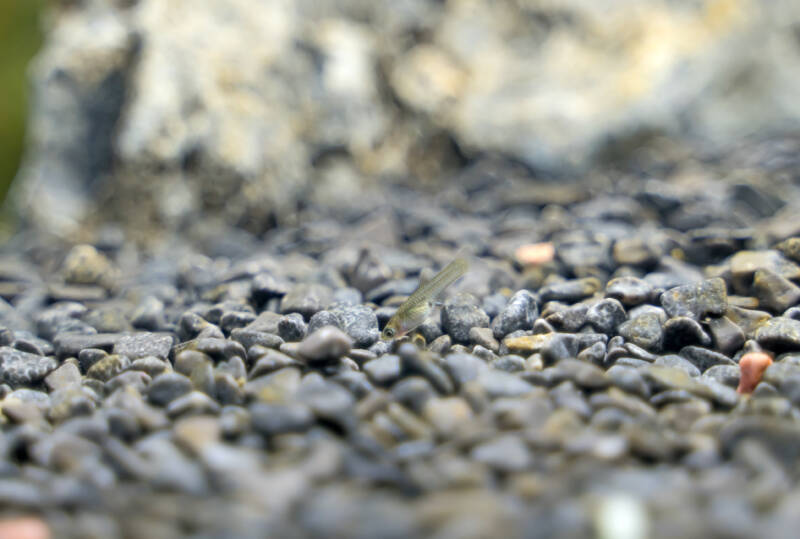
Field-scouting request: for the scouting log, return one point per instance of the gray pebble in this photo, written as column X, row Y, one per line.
column 682, row 331
column 628, row 379
column 606, row 315
column 678, row 362
column 202, row 377
column 227, row 390
column 696, row 300
column 560, row 346
column 271, row 361
column 518, row 314
column 186, row 361
column 89, row 356
column 509, row 363
column 483, row 353
column 459, row 315
column 190, row 325
column 266, row 286
column 70, row 402
column 413, row 392
column 430, row 330
column 149, row 314
column 27, row 345
column 774, row 292
column 570, row 291
column 144, row 344
column 6, row 336
column 322, row 319
column 380, row 348
column 328, row 401
column 232, row 320
column 215, row 312
column 630, row 291
column 595, row 353
column 645, row 331
column 632, row 362
column 580, row 373
column 62, row 318
column 494, row 304
column 108, row 367
column 325, row 345
column 464, row 368
column 725, row 374
column 727, row 336
column 347, row 296
column 235, row 366
column 570, row 319
column 306, row 299
column 385, row 370
column 292, row 328
column 167, row 387
column 414, row 363
column 506, row 454
column 502, row 384
column 272, row 419
column 484, row 337
column 192, row 403
column 266, row 322
column 703, row 358
column 359, row 322
column 133, row 379
column 780, row 436
column 215, row 348
column 249, row 338
column 779, row 334
column 71, row 344
column 22, row 368
column 441, row 345
column 66, row 375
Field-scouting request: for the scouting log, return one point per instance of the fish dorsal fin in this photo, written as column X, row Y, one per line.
column 429, row 291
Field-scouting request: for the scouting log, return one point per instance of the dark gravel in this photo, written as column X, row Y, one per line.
column 247, row 393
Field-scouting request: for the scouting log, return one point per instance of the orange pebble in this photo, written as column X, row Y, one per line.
column 752, row 366
column 534, row 254
column 24, row 528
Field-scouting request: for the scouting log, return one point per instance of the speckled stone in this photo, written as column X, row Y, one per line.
column 519, row 313
column 645, row 330
column 696, row 300
column 23, row 368
column 108, row 367
column 606, row 315
column 779, row 334
column 143, row 345
column 460, row 314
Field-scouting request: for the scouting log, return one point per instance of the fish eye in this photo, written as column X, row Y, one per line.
column 389, row 332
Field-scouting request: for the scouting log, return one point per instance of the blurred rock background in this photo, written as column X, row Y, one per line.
column 157, row 115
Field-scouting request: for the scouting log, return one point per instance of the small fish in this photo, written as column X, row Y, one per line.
column 419, row 305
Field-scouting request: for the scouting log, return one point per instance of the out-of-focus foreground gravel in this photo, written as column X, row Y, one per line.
column 224, row 202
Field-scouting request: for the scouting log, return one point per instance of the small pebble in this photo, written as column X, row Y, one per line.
column 325, row 345
column 752, row 366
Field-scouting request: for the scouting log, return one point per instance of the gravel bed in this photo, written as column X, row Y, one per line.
column 227, row 385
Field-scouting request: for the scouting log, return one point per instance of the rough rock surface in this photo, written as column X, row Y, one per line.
column 316, row 98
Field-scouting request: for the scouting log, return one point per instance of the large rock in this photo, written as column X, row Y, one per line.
column 236, row 130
